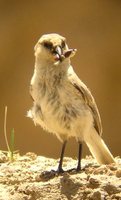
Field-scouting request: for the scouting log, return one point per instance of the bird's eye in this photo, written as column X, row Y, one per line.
column 48, row 45
column 63, row 44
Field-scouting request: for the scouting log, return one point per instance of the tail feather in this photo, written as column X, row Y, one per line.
column 98, row 148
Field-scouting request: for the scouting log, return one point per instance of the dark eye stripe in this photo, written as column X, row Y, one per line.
column 48, row 45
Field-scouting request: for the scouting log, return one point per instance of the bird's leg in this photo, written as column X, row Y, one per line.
column 60, row 170
column 79, row 157
column 51, row 174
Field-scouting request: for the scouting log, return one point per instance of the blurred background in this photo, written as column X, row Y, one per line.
column 94, row 28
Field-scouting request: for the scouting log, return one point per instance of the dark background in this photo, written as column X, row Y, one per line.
column 94, row 28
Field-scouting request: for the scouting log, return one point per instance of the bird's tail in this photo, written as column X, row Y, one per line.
column 98, row 148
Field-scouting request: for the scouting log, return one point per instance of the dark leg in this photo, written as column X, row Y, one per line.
column 60, row 170
column 79, row 157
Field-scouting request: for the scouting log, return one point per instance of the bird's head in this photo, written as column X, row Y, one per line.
column 53, row 48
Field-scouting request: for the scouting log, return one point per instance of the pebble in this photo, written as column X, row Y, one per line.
column 118, row 173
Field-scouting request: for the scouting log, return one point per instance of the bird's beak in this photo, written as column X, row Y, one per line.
column 70, row 53
column 58, row 53
column 58, row 50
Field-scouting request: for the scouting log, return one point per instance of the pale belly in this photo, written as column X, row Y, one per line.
column 68, row 118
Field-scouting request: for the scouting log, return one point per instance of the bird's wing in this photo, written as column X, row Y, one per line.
column 88, row 98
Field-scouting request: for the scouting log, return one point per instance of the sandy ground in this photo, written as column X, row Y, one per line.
column 29, row 178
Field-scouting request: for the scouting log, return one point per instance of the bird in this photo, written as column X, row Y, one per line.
column 62, row 104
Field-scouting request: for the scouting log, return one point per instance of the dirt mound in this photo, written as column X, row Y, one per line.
column 30, row 177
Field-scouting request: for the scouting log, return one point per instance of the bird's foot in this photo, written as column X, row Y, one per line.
column 73, row 171
column 46, row 175
column 78, row 169
column 60, row 170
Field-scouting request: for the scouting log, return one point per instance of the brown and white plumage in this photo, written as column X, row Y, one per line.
column 96, row 145
column 62, row 103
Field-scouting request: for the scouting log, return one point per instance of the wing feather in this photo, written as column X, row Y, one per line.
column 88, row 98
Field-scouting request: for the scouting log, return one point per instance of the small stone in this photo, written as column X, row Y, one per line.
column 118, row 173
column 93, row 182
column 112, row 167
column 111, row 189
column 3, row 157
column 31, row 155
column 46, row 175
column 101, row 170
column 116, row 196
column 96, row 195
column 87, row 191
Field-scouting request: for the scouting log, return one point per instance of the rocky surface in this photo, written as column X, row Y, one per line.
column 29, row 177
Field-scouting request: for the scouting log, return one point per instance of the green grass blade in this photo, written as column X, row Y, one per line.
column 12, row 142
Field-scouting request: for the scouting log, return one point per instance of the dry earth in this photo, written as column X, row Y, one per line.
column 24, row 179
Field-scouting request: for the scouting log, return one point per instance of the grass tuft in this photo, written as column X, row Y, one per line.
column 10, row 147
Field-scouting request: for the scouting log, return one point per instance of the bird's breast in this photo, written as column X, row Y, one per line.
column 58, row 107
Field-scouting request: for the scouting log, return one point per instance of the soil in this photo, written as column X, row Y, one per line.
column 30, row 177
